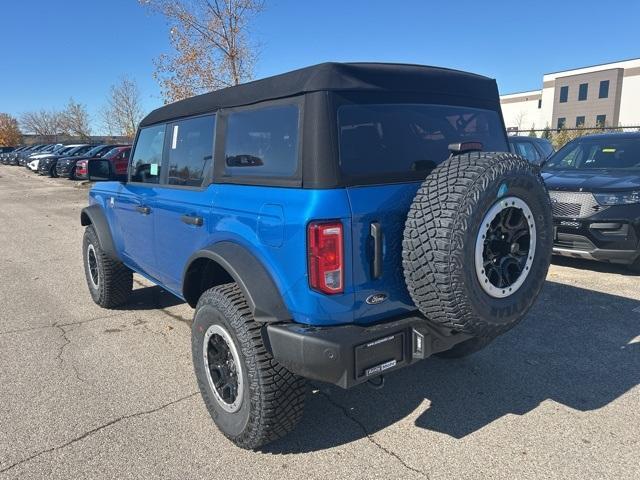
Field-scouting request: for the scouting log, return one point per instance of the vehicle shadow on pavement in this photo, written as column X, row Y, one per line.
column 150, row 298
column 576, row 347
column 593, row 266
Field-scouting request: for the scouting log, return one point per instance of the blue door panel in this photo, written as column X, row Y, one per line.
column 136, row 229
column 175, row 240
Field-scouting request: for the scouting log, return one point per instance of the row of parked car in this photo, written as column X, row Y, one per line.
column 67, row 161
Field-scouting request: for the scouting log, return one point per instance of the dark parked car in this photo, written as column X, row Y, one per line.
column 25, row 157
column 9, row 157
column 66, row 167
column 535, row 150
column 355, row 219
column 594, row 185
column 9, row 152
column 47, row 165
column 118, row 156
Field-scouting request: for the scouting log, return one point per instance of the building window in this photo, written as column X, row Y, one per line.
column 604, row 89
column 580, row 121
column 601, row 120
column 582, row 91
column 561, row 123
column 564, row 94
column 540, row 103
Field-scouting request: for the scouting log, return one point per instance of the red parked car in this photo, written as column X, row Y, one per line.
column 118, row 156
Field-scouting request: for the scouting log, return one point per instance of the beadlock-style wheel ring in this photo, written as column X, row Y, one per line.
column 223, row 368
column 92, row 264
column 505, row 247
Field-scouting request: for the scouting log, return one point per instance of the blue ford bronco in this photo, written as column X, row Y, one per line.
column 333, row 223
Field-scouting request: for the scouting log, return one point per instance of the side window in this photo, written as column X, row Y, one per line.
column 190, row 151
column 262, row 142
column 147, row 156
column 547, row 148
column 527, row 150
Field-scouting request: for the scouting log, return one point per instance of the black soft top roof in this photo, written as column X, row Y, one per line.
column 334, row 77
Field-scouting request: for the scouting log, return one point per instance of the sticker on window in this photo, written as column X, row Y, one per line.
column 154, row 169
column 608, row 150
column 174, row 140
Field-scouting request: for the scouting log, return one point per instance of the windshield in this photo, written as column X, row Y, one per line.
column 597, row 153
column 400, row 142
column 95, row 151
column 64, row 150
column 111, row 153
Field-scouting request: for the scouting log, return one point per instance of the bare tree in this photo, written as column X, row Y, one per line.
column 75, row 120
column 10, row 133
column 519, row 119
column 123, row 111
column 211, row 43
column 45, row 123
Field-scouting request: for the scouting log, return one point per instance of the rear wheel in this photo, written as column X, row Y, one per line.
column 252, row 398
column 477, row 245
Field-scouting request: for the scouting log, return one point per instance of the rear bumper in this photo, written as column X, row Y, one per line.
column 348, row 355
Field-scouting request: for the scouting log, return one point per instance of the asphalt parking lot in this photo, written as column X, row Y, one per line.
column 92, row 393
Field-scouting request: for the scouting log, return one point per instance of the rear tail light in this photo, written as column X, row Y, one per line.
column 81, row 167
column 326, row 259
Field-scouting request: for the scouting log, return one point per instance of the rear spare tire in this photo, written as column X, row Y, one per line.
column 477, row 245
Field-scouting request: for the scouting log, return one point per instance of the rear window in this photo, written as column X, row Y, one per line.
column 401, row 142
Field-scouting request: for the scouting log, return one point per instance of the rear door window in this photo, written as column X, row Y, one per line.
column 381, row 143
column 262, row 142
column 527, row 150
column 147, row 156
column 546, row 148
column 190, row 151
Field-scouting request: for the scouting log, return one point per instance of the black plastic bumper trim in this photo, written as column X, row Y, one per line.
column 347, row 355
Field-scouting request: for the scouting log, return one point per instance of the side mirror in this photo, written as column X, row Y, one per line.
column 102, row 170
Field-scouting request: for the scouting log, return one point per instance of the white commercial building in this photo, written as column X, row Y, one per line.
column 600, row 95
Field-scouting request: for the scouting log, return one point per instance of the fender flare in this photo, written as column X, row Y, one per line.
column 94, row 215
column 260, row 291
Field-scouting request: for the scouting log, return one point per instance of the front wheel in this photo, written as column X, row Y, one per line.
column 251, row 398
column 110, row 282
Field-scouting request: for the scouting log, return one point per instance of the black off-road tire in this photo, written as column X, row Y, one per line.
column 272, row 403
column 114, row 280
column 439, row 245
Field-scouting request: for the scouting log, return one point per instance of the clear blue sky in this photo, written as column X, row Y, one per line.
column 52, row 50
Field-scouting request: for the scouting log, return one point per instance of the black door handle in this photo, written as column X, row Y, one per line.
column 143, row 209
column 192, row 220
column 376, row 234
